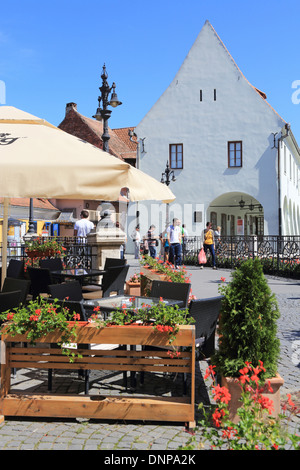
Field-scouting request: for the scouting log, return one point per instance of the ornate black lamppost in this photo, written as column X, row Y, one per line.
column 104, row 113
column 165, row 179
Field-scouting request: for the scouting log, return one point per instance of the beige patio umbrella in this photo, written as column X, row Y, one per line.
column 39, row 160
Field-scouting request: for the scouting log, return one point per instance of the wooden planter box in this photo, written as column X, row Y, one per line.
column 147, row 276
column 99, row 406
column 133, row 288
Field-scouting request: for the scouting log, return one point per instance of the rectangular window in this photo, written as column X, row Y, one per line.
column 176, row 156
column 235, row 150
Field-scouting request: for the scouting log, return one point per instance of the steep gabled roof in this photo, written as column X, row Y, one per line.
column 261, row 93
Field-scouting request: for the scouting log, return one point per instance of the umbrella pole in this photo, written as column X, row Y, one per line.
column 6, row 202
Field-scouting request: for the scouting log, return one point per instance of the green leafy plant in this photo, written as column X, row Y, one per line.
column 256, row 428
column 48, row 245
column 163, row 317
column 172, row 274
column 38, row 318
column 247, row 326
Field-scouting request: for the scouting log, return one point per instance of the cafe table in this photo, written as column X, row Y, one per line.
column 79, row 274
column 127, row 302
column 109, row 304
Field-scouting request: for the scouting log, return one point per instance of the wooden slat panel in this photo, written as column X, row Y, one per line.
column 99, row 352
column 96, row 360
column 143, row 335
column 89, row 366
column 154, row 409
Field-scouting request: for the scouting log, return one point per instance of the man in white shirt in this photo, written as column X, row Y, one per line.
column 174, row 239
column 83, row 226
column 136, row 237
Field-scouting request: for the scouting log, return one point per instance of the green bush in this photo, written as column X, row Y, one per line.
column 248, row 322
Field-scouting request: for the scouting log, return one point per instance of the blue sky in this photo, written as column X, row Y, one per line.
column 52, row 53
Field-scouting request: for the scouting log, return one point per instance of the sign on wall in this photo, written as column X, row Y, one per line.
column 240, row 227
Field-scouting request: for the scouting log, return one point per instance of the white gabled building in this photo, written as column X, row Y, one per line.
column 226, row 145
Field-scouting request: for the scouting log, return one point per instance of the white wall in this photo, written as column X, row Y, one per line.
column 204, row 127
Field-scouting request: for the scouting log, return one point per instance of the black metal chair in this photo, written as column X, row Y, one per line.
column 171, row 290
column 112, row 262
column 109, row 263
column 12, row 284
column 74, row 291
column 53, row 264
column 15, row 269
column 74, row 307
column 10, row 300
column 68, row 291
column 205, row 313
column 113, row 281
column 40, row 280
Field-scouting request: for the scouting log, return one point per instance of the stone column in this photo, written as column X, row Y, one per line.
column 105, row 241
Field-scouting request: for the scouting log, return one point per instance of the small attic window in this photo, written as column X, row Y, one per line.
column 200, row 95
column 215, row 94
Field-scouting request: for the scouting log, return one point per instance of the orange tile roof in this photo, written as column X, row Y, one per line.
column 122, row 133
column 37, row 202
column 118, row 145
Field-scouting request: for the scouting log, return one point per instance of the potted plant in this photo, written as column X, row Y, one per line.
column 155, row 268
column 256, row 429
column 40, row 247
column 38, row 318
column 248, row 331
column 161, row 317
column 133, row 285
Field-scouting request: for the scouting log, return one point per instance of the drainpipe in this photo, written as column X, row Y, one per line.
column 287, row 128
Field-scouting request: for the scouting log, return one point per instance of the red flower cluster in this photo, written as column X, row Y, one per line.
column 36, row 316
column 173, row 354
column 164, row 328
column 221, row 394
column 217, row 417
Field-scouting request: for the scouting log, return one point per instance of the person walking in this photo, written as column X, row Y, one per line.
column 136, row 237
column 174, row 239
column 83, row 226
column 152, row 241
column 208, row 243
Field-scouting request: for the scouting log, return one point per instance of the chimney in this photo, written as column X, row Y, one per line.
column 70, row 106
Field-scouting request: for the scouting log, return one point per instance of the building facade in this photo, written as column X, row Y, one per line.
column 235, row 159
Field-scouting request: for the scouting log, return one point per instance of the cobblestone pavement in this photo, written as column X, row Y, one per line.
column 62, row 434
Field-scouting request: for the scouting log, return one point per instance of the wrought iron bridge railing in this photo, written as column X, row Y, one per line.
column 279, row 255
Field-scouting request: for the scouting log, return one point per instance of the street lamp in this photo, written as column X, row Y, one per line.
column 104, row 113
column 165, row 179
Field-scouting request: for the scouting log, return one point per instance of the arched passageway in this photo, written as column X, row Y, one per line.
column 237, row 214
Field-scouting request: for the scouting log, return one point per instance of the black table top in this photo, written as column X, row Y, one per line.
column 128, row 302
column 79, row 272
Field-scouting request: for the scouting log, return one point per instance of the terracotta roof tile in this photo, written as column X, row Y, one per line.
column 37, row 202
column 76, row 124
